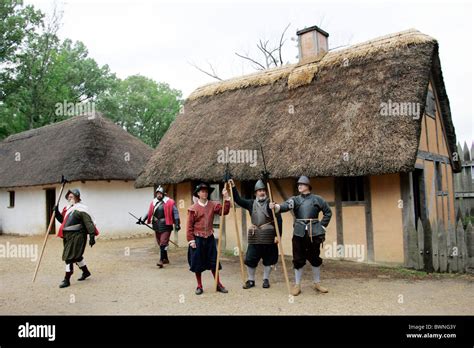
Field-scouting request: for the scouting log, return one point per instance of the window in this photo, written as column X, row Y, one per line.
column 353, row 189
column 12, row 199
column 439, row 177
column 430, row 108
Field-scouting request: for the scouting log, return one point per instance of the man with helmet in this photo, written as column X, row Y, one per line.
column 309, row 232
column 76, row 223
column 162, row 213
column 261, row 236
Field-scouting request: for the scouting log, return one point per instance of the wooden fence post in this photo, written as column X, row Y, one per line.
column 435, row 246
column 420, row 245
column 453, row 249
column 470, row 244
column 461, row 245
column 442, row 247
column 412, row 244
column 463, row 183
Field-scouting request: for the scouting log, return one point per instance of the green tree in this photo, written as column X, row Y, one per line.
column 47, row 72
column 142, row 106
column 38, row 71
column 16, row 21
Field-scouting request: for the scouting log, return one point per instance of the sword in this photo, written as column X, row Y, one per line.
column 151, row 228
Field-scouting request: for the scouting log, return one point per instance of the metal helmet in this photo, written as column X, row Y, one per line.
column 259, row 185
column 304, row 180
column 160, row 189
column 75, row 192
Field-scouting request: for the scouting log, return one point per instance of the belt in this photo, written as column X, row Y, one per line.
column 310, row 226
column 254, row 227
column 73, row 228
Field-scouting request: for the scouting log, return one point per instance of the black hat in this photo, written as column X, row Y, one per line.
column 304, row 180
column 201, row 186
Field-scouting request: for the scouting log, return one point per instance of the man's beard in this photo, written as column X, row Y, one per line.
column 261, row 199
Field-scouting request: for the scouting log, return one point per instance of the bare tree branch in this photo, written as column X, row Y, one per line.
column 253, row 61
column 273, row 56
column 212, row 73
column 282, row 41
column 268, row 54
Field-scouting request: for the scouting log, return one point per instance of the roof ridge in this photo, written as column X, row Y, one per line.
column 269, row 76
column 38, row 131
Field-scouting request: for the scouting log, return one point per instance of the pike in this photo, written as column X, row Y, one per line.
column 216, row 278
column 51, row 220
column 266, row 175
column 239, row 245
column 151, row 228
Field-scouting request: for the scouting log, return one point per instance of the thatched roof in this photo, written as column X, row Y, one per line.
column 81, row 148
column 336, row 99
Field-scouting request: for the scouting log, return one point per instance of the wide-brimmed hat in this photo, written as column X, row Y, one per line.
column 201, row 186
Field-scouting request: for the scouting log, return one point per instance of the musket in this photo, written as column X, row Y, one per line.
column 265, row 178
column 151, row 228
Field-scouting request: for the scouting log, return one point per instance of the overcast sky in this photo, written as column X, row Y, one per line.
column 159, row 39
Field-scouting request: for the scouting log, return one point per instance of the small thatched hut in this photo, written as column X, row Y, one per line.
column 94, row 154
column 370, row 124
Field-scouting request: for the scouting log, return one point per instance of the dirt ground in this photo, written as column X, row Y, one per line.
column 126, row 280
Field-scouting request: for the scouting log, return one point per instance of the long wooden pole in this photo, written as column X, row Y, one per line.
column 280, row 244
column 51, row 220
column 216, row 279
column 239, row 245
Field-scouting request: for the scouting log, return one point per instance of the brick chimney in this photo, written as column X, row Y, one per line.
column 312, row 42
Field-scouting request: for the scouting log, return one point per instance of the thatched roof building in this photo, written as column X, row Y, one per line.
column 81, row 148
column 310, row 116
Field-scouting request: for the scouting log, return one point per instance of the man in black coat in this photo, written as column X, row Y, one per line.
column 76, row 224
column 309, row 232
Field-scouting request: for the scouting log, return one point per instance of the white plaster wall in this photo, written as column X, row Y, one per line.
column 109, row 203
column 28, row 216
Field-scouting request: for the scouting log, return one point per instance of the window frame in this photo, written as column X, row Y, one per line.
column 355, row 196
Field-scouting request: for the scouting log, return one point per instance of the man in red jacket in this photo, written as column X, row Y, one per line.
column 162, row 213
column 202, row 252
